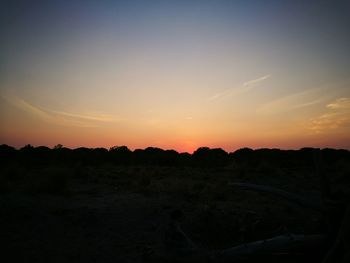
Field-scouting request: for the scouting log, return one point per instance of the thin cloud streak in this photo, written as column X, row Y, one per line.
column 254, row 82
column 246, row 86
column 337, row 117
column 101, row 117
column 309, row 97
column 341, row 103
column 58, row 117
column 293, row 101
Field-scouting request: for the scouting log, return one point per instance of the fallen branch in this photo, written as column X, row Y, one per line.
column 278, row 244
column 177, row 245
column 340, row 251
column 309, row 203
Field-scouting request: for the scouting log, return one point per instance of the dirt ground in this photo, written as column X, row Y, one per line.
column 114, row 219
column 87, row 228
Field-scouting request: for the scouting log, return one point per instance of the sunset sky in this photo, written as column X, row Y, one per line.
column 175, row 74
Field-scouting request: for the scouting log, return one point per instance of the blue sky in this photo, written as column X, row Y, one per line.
column 175, row 74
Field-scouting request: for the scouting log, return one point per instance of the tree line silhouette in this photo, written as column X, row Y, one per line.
column 202, row 157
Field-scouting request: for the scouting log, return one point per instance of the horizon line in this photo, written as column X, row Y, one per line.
column 179, row 152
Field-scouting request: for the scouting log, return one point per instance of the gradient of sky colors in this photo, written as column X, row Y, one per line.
column 175, row 74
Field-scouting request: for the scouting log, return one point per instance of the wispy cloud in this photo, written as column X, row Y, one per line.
column 59, row 117
column 309, row 97
column 341, row 103
column 293, row 101
column 245, row 87
column 92, row 117
column 252, row 83
column 220, row 94
column 337, row 117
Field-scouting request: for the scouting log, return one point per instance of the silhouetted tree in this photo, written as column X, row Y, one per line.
column 6, row 153
column 206, row 157
column 58, row 147
column 120, row 155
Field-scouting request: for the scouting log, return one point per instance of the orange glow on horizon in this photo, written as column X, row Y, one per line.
column 176, row 75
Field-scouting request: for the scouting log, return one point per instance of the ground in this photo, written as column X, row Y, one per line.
column 117, row 213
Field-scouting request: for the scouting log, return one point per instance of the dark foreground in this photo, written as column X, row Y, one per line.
column 118, row 213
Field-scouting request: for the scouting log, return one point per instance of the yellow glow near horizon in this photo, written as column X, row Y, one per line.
column 176, row 76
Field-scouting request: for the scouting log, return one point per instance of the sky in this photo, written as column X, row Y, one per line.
column 175, row 74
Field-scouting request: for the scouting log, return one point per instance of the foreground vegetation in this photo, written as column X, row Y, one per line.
column 152, row 182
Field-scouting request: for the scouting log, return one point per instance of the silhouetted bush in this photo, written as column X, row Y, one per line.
column 120, row 155
column 206, row 157
column 49, row 180
column 244, row 159
column 7, row 153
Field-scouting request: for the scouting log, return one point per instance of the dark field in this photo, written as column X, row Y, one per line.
column 88, row 205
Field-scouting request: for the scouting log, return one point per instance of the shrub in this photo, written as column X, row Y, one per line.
column 50, row 180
